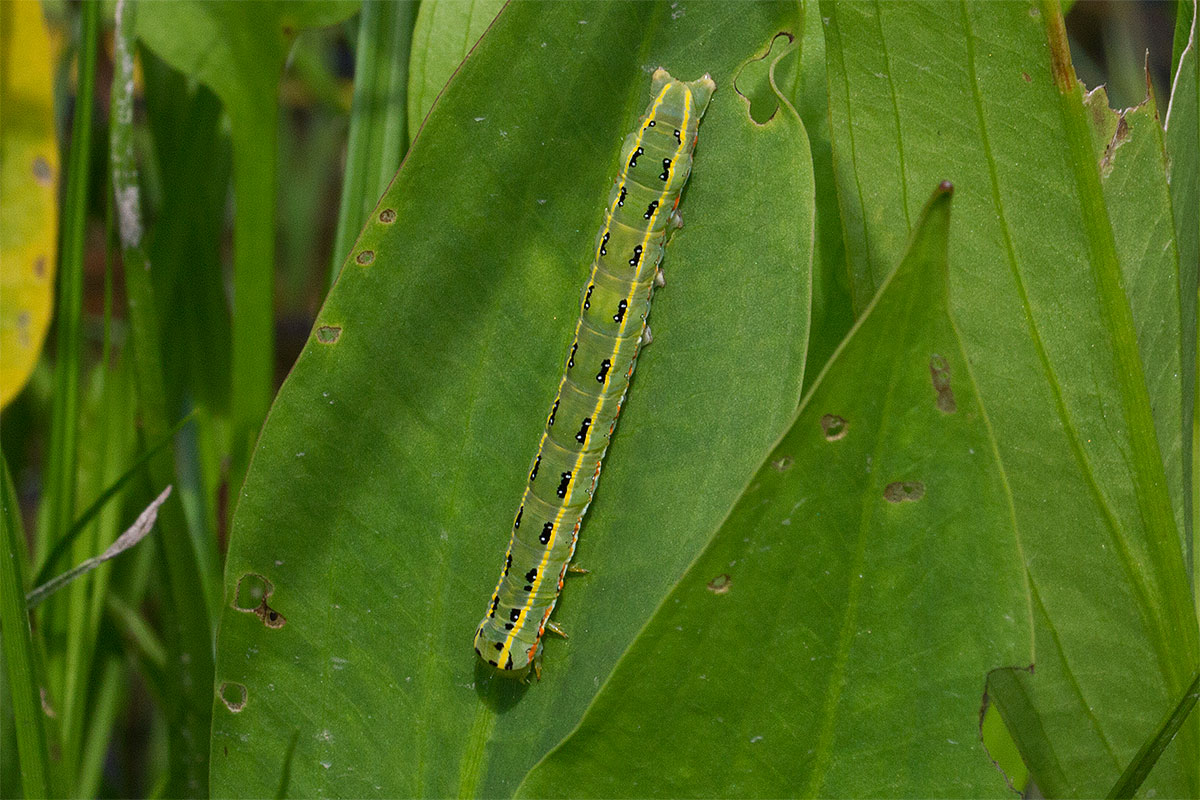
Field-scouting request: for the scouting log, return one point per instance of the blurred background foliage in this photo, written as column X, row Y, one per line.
column 117, row 697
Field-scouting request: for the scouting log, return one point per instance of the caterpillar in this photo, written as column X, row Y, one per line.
column 656, row 160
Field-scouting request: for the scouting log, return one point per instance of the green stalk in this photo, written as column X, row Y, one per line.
column 255, row 148
column 378, row 135
column 188, row 679
column 18, row 646
column 58, row 505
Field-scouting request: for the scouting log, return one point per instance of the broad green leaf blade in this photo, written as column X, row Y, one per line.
column 832, row 312
column 970, row 92
column 445, row 32
column 835, row 636
column 376, row 513
column 1182, row 138
column 29, row 184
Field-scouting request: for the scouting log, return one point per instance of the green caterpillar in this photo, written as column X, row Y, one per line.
column 655, row 162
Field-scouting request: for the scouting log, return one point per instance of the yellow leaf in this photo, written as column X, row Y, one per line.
column 29, row 172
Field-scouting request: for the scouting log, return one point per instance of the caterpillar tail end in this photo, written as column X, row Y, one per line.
column 507, row 663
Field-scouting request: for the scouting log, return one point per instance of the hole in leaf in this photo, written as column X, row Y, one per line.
column 233, row 695
column 753, row 81
column 834, row 427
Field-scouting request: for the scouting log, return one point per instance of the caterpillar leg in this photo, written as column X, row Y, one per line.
column 660, row 280
column 554, row 628
column 676, row 218
column 577, row 570
column 647, row 337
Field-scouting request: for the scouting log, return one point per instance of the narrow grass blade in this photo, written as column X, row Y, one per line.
column 18, row 646
column 59, row 498
column 1147, row 757
column 77, row 527
column 378, row 133
column 132, row 535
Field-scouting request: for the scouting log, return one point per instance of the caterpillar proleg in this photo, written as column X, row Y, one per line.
column 656, row 160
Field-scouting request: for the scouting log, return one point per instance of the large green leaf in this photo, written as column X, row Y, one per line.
column 836, row 635
column 1067, row 363
column 372, row 525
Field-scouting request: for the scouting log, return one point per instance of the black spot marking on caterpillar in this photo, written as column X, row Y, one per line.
column 621, row 198
column 633, row 159
column 498, row 645
column 365, row 257
column 637, row 256
column 939, row 370
column 651, row 124
column 507, row 564
column 677, row 139
column 553, row 411
column 650, row 209
column 547, row 530
column 328, row 334
column 783, row 463
column 531, row 576
column 603, row 243
column 620, row 315
column 834, row 427
column 666, row 173
column 495, row 605
column 571, row 358
column 904, row 491
column 233, row 695
column 602, row 375
column 579, row 437
column 587, row 298
column 520, row 511
column 514, row 614
column 537, row 462
column 387, row 216
column 564, row 484
column 720, row 584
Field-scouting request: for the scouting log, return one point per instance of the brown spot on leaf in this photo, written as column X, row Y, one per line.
column 720, row 584
column 365, row 257
column 834, row 427
column 387, row 216
column 328, row 334
column 939, row 370
column 904, row 491
column 42, row 172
